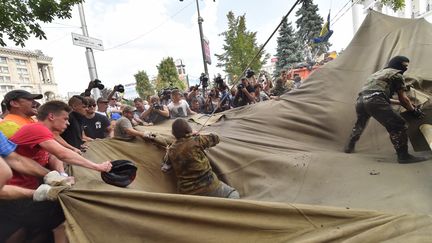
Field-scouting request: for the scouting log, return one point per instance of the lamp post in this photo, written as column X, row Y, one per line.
column 200, row 20
column 89, row 52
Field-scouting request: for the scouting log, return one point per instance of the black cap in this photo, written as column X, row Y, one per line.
column 123, row 173
column 17, row 94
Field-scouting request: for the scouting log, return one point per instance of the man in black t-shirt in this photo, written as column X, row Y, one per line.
column 73, row 133
column 95, row 125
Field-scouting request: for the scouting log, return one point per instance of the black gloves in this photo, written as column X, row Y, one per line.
column 418, row 113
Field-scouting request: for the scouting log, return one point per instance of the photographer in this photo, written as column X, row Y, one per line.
column 93, row 85
column 195, row 95
column 250, row 75
column 165, row 96
column 223, row 89
column 245, row 93
column 212, row 102
column 156, row 113
column 112, row 101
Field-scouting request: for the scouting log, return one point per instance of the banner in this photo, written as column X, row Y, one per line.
column 206, row 46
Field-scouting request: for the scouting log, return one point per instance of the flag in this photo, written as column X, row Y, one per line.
column 325, row 32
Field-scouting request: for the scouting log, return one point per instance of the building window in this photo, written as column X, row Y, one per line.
column 4, row 70
column 6, row 88
column 3, row 60
column 5, row 79
column 20, row 62
column 27, row 88
column 24, row 80
column 22, row 71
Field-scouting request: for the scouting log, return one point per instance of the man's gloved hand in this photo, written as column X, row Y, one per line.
column 418, row 113
column 42, row 194
column 53, row 178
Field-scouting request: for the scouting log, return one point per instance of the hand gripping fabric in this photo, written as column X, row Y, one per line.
column 122, row 173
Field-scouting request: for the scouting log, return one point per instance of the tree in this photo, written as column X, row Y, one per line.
column 394, row 4
column 239, row 48
column 143, row 85
column 20, row 19
column 168, row 76
column 309, row 25
column 288, row 49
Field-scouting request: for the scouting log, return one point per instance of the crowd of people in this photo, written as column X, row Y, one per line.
column 39, row 142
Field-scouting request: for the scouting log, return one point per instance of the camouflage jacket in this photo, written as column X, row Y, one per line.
column 279, row 90
column 191, row 165
column 388, row 80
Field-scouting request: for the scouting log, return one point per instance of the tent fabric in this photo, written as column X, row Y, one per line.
column 285, row 158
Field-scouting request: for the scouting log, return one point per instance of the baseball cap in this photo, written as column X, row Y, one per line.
column 17, row 94
column 102, row 100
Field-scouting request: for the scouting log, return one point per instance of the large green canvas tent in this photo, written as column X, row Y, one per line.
column 285, row 158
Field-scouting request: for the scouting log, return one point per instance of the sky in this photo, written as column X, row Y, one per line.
column 138, row 34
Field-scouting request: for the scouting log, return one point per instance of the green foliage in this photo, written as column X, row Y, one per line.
column 20, row 19
column 143, row 85
column 168, row 76
column 394, row 4
column 239, row 48
column 288, row 51
column 309, row 25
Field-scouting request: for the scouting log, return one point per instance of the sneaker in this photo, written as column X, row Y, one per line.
column 166, row 167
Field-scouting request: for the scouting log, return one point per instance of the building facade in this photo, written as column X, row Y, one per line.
column 412, row 9
column 28, row 70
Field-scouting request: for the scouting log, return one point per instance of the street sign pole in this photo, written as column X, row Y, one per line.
column 89, row 52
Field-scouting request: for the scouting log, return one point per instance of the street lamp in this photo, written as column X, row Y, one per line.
column 200, row 20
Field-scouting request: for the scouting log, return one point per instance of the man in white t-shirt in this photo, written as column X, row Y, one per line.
column 178, row 107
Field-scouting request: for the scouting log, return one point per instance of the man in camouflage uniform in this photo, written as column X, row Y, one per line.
column 191, row 165
column 374, row 100
column 279, row 89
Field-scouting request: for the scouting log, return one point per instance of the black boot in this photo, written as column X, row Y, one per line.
column 349, row 146
column 406, row 158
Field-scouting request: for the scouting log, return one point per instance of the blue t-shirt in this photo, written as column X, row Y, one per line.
column 6, row 146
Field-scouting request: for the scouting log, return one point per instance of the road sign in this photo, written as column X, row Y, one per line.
column 85, row 41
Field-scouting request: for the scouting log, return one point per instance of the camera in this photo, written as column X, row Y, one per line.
column 218, row 79
column 157, row 106
column 240, row 86
column 98, row 84
column 249, row 73
column 165, row 93
column 119, row 88
column 204, row 80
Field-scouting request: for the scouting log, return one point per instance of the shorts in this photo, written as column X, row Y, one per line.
column 26, row 213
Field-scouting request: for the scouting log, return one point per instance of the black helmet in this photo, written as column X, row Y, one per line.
column 396, row 63
column 122, row 173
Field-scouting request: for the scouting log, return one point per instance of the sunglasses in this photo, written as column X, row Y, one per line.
column 94, row 105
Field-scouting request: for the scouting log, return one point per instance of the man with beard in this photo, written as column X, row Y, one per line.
column 374, row 101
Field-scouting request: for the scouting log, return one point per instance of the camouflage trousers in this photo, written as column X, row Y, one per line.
column 378, row 107
column 225, row 191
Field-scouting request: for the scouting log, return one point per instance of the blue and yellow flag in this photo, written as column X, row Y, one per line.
column 325, row 32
